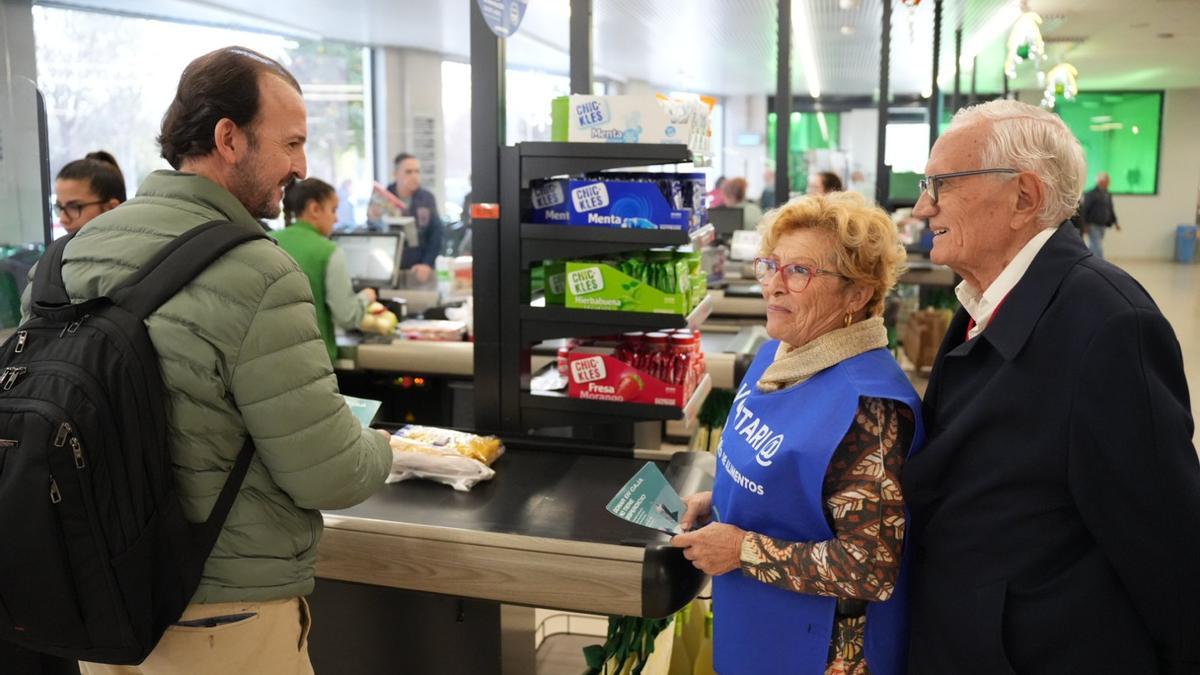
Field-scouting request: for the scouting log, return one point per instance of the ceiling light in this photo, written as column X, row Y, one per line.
column 1135, row 130
column 802, row 27
column 847, row 30
column 847, row 4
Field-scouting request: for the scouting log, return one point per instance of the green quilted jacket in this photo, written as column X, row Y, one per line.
column 240, row 353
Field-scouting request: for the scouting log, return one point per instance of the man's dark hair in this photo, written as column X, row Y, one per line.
column 401, row 157
column 101, row 172
column 220, row 84
column 831, row 181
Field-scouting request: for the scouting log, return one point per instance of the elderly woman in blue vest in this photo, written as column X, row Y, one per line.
column 804, row 529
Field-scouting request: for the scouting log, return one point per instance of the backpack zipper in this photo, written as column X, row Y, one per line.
column 60, row 439
column 74, row 326
column 55, row 493
column 10, row 376
column 22, row 336
column 77, row 450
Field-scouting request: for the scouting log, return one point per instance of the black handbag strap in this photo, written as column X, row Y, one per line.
column 178, row 263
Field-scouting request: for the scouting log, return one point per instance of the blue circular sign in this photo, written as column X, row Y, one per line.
column 502, row 16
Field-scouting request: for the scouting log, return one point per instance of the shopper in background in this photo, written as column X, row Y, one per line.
column 716, row 197
column 1056, row 505
column 806, row 522
column 1098, row 214
column 824, row 182
column 734, row 191
column 767, row 200
column 241, row 355
column 422, row 205
column 310, row 210
column 87, row 187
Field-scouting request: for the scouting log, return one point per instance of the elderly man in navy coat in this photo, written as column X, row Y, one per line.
column 1056, row 505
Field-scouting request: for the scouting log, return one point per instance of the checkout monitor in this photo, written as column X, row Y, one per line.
column 372, row 259
column 726, row 220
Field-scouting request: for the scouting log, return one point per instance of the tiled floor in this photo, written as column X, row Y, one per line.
column 1176, row 289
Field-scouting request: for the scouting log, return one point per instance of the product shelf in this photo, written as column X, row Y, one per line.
column 547, row 159
column 560, row 242
column 565, row 409
column 544, row 323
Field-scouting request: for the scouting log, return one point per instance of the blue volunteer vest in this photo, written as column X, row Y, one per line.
column 771, row 468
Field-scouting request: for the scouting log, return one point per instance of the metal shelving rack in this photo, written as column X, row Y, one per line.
column 503, row 399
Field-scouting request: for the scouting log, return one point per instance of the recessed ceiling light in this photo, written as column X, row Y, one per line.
column 847, row 30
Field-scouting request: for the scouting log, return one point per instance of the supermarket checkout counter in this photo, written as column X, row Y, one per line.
column 432, row 382
column 423, row 579
column 741, row 303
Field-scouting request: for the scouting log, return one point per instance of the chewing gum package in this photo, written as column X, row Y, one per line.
column 548, row 202
column 639, row 203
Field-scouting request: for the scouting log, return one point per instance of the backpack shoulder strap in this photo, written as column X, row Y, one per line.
column 48, row 288
column 178, row 263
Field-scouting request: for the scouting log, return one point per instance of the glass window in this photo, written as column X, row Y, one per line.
column 809, row 131
column 104, row 90
column 1120, row 134
column 527, row 118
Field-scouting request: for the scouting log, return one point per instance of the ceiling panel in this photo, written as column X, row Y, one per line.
column 728, row 46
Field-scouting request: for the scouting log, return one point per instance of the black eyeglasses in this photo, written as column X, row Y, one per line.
column 73, row 209
column 931, row 184
column 796, row 277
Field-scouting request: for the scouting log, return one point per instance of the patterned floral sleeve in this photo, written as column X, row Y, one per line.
column 864, row 503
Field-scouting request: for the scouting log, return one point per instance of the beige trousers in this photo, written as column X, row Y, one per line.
column 254, row 638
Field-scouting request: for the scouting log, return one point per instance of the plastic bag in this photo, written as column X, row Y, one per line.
column 455, row 458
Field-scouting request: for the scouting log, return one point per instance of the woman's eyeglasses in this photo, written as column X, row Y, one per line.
column 73, row 209
column 796, row 277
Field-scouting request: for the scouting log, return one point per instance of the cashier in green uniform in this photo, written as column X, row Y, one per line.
column 310, row 211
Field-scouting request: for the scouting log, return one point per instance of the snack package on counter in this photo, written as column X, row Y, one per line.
column 435, row 441
column 436, row 330
column 460, row 473
column 454, row 458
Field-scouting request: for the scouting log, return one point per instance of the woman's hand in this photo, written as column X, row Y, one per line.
column 714, row 549
column 699, row 510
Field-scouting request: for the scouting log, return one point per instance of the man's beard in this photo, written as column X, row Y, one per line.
column 253, row 190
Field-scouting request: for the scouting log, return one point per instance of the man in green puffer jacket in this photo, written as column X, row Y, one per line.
column 240, row 354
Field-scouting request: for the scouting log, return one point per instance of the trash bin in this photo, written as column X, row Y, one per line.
column 1185, row 244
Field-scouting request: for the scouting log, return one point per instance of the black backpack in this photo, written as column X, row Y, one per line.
column 96, row 557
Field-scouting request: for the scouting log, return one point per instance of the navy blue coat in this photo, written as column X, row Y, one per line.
column 1056, row 505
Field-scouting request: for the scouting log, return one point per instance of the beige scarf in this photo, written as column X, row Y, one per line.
column 793, row 365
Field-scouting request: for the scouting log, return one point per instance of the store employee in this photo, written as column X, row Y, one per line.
column 421, row 205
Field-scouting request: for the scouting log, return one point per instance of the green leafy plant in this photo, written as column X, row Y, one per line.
column 630, row 642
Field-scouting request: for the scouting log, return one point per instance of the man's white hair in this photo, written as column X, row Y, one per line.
column 1028, row 138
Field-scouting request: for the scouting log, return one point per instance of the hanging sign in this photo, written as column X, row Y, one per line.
column 502, row 16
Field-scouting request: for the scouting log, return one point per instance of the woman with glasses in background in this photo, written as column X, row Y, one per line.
column 87, row 187
column 804, row 529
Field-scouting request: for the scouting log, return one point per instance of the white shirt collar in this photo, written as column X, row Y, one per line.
column 981, row 306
